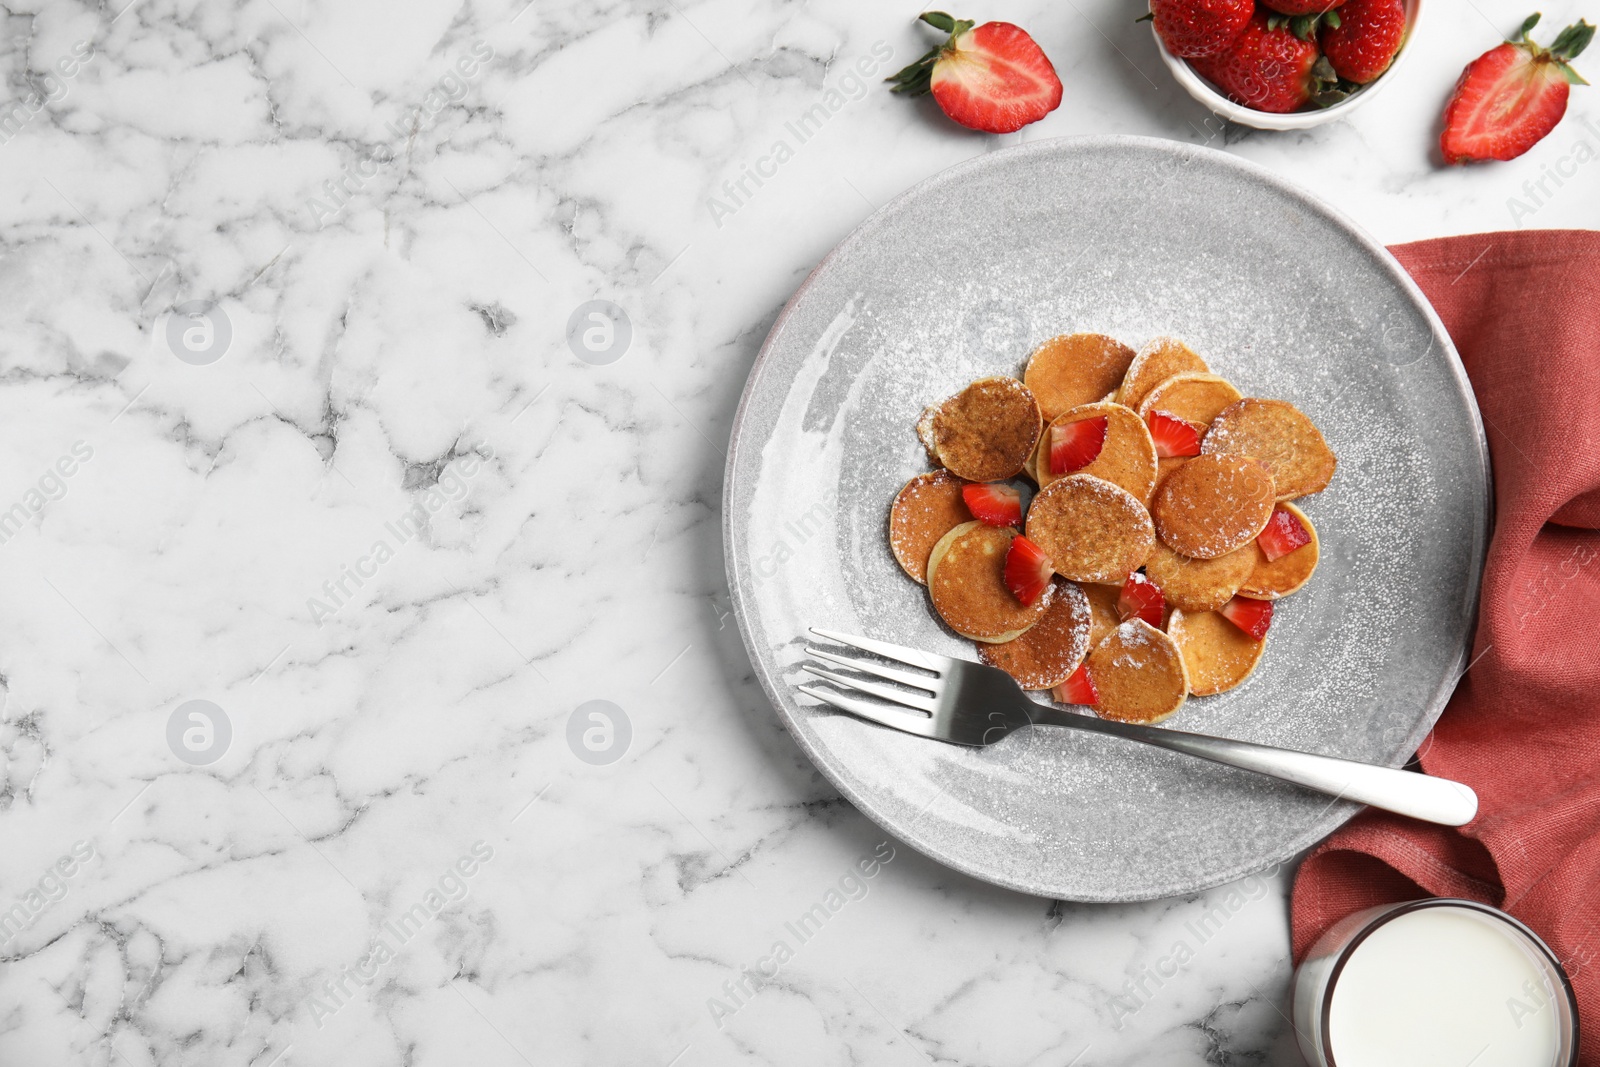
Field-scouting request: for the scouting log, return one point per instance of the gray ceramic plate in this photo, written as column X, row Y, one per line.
column 959, row 278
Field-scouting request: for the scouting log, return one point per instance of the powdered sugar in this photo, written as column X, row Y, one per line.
column 1064, row 237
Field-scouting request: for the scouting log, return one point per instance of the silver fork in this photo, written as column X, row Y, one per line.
column 974, row 704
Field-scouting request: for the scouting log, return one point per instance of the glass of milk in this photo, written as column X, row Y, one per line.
column 1434, row 983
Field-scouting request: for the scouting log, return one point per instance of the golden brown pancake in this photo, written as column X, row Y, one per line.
column 1092, row 530
column 1165, row 466
column 1279, row 435
column 1128, row 457
column 925, row 432
column 1193, row 397
column 966, row 578
column 1217, row 655
column 1199, row 584
column 1075, row 369
column 1104, row 614
column 986, row 432
column 1212, row 505
column 1138, row 673
column 1271, row 579
column 1158, row 360
column 924, row 510
column 1052, row 648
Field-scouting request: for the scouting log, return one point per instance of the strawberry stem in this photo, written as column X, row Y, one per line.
column 917, row 78
column 1569, row 43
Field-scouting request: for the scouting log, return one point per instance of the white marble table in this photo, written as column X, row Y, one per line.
column 393, row 532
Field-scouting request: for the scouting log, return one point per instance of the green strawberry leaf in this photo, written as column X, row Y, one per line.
column 1572, row 40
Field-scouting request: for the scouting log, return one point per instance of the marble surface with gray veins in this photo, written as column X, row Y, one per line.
column 318, row 538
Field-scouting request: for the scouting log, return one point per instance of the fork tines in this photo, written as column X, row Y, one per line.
column 909, row 709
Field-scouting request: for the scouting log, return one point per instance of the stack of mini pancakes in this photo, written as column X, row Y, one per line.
column 1167, row 548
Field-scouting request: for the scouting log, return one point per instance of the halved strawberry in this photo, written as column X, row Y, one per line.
column 1284, row 534
column 1251, row 616
column 1074, row 445
column 993, row 77
column 1173, row 436
column 993, row 503
column 1511, row 96
column 1141, row 599
column 1028, row 570
column 1078, row 688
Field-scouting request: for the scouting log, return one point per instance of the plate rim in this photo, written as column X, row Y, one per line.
column 1342, row 812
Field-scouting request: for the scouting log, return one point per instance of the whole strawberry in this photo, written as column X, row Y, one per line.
column 1302, row 7
column 1362, row 39
column 1191, row 28
column 992, row 77
column 1512, row 95
column 1268, row 68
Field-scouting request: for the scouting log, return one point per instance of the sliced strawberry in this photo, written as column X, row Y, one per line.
column 1078, row 688
column 1173, row 436
column 1074, row 445
column 1511, row 96
column 993, row 77
column 1028, row 570
column 1141, row 599
column 1284, row 534
column 1251, row 616
column 994, row 503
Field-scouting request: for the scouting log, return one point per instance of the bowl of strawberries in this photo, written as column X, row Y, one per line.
column 1282, row 64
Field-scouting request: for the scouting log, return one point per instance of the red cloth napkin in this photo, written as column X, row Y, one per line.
column 1523, row 727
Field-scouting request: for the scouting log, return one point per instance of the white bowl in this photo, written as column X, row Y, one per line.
column 1202, row 91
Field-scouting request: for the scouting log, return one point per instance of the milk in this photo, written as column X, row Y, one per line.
column 1445, row 986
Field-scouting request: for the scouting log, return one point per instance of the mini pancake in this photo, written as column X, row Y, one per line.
column 1200, row 584
column 1128, row 457
column 966, row 578
column 1138, row 673
column 1271, row 579
column 1158, row 360
column 1052, row 649
column 926, row 508
column 1092, row 530
column 1279, row 435
column 1074, row 369
column 925, row 432
column 1217, row 655
column 1212, row 505
column 1165, row 466
column 1104, row 614
column 986, row 432
column 1193, row 397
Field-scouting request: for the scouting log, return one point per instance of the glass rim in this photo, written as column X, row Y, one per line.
column 1325, row 1012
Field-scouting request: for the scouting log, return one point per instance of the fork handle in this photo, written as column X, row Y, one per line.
column 1436, row 800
